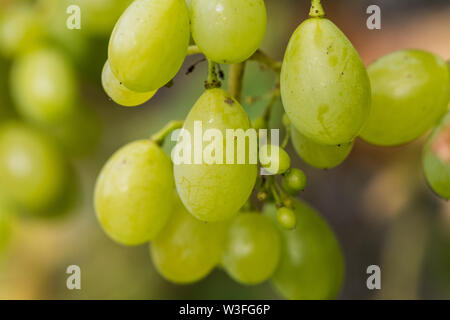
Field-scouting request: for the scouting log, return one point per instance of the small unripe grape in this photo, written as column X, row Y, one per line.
column 228, row 31
column 295, row 180
column 149, row 43
column 311, row 265
column 286, row 218
column 252, row 250
column 274, row 159
column 324, row 84
column 187, row 249
column 43, row 86
column 33, row 172
column 215, row 190
column 119, row 93
column 436, row 159
column 134, row 193
column 259, row 123
column 410, row 93
column 319, row 155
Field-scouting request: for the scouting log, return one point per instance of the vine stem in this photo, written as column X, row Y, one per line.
column 235, row 80
column 213, row 80
column 161, row 135
column 316, row 10
column 265, row 60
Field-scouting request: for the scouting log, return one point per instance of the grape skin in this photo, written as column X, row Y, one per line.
column 119, row 93
column 149, row 43
column 252, row 250
column 311, row 265
column 213, row 192
column 436, row 159
column 274, row 159
column 134, row 193
column 324, row 85
column 410, row 93
column 33, row 172
column 228, row 31
column 318, row 155
column 187, row 249
column 43, row 86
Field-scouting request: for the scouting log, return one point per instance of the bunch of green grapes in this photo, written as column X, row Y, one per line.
column 202, row 211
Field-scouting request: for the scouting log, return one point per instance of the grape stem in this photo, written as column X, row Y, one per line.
column 316, row 9
column 212, row 81
column 236, row 79
column 161, row 135
column 266, row 61
column 193, row 50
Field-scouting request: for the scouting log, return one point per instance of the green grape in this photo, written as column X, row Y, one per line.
column 187, row 249
column 252, row 250
column 212, row 191
column 319, row 155
column 274, row 159
column 324, row 85
column 149, row 43
column 20, row 29
column 311, row 264
column 228, row 31
column 436, row 159
column 410, row 93
column 119, row 93
column 286, row 218
column 43, row 86
column 33, row 172
column 294, row 180
column 134, row 193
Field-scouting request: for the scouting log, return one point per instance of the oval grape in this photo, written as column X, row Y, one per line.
column 311, row 264
column 33, row 172
column 215, row 190
column 187, row 249
column 324, row 85
column 119, row 93
column 319, row 155
column 252, row 251
column 410, row 93
column 134, row 193
column 228, row 31
column 149, row 43
column 436, row 159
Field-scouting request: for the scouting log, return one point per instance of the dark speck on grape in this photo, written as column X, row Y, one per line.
column 229, row 101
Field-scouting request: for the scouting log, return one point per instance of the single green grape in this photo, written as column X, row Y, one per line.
column 324, row 85
column 228, row 31
column 20, row 29
column 436, row 159
column 187, row 249
column 119, row 93
column 33, row 172
column 410, row 93
column 274, row 159
column 311, row 264
column 149, row 43
column 43, row 86
column 319, row 155
column 215, row 189
column 286, row 218
column 252, row 250
column 134, row 193
column 294, row 180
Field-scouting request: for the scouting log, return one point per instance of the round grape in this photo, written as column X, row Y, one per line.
column 294, row 180
column 119, row 93
column 252, row 251
column 214, row 189
column 228, row 31
column 274, row 159
column 134, row 193
column 149, row 43
column 324, row 85
column 410, row 93
column 187, row 249
column 286, row 218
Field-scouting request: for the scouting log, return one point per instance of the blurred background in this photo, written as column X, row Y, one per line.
column 377, row 202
